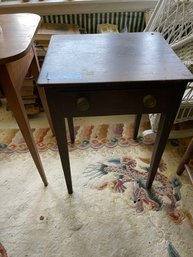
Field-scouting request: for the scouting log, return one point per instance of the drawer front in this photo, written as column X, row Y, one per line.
column 112, row 102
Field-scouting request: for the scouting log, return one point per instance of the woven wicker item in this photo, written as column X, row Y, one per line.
column 174, row 20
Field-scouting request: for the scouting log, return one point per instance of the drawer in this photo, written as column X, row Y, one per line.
column 111, row 102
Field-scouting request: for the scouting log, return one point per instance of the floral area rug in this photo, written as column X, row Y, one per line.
column 111, row 213
column 94, row 136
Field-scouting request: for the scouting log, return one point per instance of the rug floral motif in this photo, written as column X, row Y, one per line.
column 113, row 175
column 164, row 193
column 94, row 136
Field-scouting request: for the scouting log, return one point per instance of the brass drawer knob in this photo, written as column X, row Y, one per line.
column 83, row 104
column 149, row 101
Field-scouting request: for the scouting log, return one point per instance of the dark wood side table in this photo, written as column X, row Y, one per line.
column 112, row 74
column 17, row 55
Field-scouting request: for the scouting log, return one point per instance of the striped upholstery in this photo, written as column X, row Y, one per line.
column 88, row 21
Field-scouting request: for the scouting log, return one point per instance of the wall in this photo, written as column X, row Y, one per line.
column 76, row 6
column 86, row 13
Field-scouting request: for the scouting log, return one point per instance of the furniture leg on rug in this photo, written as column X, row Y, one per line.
column 136, row 125
column 16, row 57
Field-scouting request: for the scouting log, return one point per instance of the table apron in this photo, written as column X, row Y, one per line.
column 110, row 102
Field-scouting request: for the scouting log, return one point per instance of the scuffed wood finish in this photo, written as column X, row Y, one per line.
column 109, row 59
column 16, row 57
column 112, row 74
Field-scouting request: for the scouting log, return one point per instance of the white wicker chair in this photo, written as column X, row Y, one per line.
column 174, row 20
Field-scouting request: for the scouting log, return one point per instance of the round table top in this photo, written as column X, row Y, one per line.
column 16, row 35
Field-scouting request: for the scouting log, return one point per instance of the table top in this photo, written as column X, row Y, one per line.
column 111, row 58
column 17, row 35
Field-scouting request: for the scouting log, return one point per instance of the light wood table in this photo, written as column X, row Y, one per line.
column 112, row 74
column 17, row 55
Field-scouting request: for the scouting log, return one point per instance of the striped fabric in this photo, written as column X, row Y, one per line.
column 134, row 21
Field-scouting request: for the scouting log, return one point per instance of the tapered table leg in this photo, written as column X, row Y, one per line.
column 136, row 125
column 15, row 102
column 71, row 129
column 35, row 69
column 165, row 124
column 59, row 126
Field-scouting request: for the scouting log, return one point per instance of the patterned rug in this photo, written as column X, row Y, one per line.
column 109, row 172
column 94, row 136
